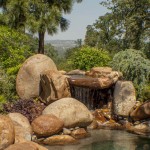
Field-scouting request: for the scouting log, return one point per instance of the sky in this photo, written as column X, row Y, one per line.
column 83, row 14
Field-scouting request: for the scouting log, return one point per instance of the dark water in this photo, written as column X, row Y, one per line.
column 109, row 140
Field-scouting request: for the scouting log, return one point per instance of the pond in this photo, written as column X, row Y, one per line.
column 109, row 140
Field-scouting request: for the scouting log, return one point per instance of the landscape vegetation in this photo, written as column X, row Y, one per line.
column 119, row 39
column 44, row 104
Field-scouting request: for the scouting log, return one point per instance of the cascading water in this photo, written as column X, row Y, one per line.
column 92, row 96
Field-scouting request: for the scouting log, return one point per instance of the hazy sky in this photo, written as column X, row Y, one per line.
column 83, row 14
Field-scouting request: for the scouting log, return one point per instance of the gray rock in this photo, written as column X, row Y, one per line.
column 124, row 98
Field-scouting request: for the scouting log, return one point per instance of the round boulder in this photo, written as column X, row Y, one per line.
column 71, row 111
column 28, row 78
column 47, row 125
column 7, row 133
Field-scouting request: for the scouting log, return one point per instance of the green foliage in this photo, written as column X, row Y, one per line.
column 87, row 57
column 134, row 66
column 14, row 49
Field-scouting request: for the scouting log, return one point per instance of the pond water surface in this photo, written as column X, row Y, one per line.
column 109, row 140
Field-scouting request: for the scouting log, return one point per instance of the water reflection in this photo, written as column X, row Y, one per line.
column 109, row 140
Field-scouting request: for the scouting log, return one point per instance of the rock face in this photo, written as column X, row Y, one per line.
column 60, row 140
column 28, row 78
column 7, row 133
column 54, row 86
column 124, row 98
column 99, row 78
column 46, row 125
column 99, row 71
column 141, row 112
column 76, row 72
column 71, row 111
column 23, row 130
column 26, row 146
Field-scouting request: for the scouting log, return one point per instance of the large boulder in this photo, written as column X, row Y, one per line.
column 47, row 125
column 7, row 132
column 26, row 146
column 141, row 112
column 28, row 78
column 71, row 111
column 54, row 86
column 23, row 130
column 124, row 98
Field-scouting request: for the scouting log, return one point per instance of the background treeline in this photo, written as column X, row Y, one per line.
column 119, row 39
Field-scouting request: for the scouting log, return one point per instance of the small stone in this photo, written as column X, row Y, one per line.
column 79, row 133
column 66, row 131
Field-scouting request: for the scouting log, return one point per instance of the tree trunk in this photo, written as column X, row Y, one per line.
column 41, row 43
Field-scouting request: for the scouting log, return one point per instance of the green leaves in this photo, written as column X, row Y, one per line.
column 87, row 57
column 134, row 66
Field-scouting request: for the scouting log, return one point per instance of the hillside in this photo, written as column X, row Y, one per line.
column 62, row 45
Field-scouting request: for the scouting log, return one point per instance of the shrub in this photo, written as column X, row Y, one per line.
column 29, row 108
column 134, row 66
column 15, row 47
column 87, row 57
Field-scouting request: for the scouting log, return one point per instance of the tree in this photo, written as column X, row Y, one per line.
column 38, row 16
column 133, row 17
column 125, row 26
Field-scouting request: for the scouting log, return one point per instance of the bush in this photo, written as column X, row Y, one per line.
column 29, row 108
column 87, row 57
column 15, row 47
column 134, row 66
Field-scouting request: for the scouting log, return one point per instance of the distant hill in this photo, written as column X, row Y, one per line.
column 62, row 45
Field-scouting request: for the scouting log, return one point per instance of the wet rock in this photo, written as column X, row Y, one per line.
column 98, row 115
column 60, row 140
column 93, row 125
column 7, row 132
column 79, row 133
column 54, row 86
column 110, row 124
column 28, row 78
column 124, row 98
column 141, row 112
column 71, row 111
column 142, row 128
column 46, row 125
column 23, row 130
column 26, row 146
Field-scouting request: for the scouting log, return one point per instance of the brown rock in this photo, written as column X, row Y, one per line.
column 93, row 125
column 101, row 82
column 28, row 78
column 99, row 71
column 62, row 72
column 124, row 98
column 141, row 128
column 98, row 115
column 60, row 140
column 79, row 133
column 141, row 112
column 46, row 125
column 7, row 133
column 23, row 130
column 71, row 111
column 76, row 72
column 54, row 86
column 26, row 146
